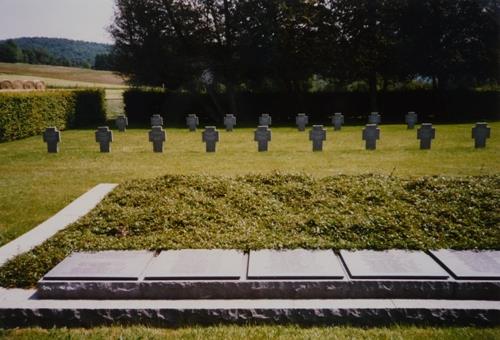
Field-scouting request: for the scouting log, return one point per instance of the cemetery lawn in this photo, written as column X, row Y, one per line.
column 256, row 332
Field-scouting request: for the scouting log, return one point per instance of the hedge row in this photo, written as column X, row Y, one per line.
column 24, row 114
column 458, row 106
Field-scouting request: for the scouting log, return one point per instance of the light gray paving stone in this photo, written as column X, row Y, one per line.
column 103, row 265
column 196, row 264
column 395, row 264
column 294, row 264
column 470, row 265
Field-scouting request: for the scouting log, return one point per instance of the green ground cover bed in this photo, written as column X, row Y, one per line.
column 278, row 211
column 255, row 332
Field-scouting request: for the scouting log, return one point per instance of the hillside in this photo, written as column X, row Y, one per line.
column 78, row 53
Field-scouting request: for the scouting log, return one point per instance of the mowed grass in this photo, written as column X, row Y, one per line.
column 256, row 332
column 34, row 185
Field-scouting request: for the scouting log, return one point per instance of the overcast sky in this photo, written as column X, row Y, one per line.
column 73, row 19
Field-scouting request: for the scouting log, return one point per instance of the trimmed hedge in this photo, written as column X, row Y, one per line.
column 25, row 114
column 455, row 106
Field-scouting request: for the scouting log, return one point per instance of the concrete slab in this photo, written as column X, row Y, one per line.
column 393, row 264
column 470, row 265
column 103, row 265
column 196, row 264
column 71, row 213
column 294, row 264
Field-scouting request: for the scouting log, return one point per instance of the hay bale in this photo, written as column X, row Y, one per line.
column 6, row 85
column 29, row 85
column 40, row 85
column 17, row 84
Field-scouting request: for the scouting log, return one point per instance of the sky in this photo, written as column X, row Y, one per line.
column 72, row 19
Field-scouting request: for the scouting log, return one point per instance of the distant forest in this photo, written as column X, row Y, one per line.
column 56, row 51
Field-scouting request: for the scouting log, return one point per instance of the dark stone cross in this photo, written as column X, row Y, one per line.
column 121, row 123
column 480, row 133
column 265, row 120
column 157, row 136
column 262, row 136
column 52, row 137
column 104, row 137
column 426, row 134
column 374, row 118
column 192, row 122
column 337, row 121
column 317, row 135
column 229, row 122
column 210, row 136
column 411, row 119
column 370, row 134
column 301, row 120
column 156, row 120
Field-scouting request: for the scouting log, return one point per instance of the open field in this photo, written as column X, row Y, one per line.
column 257, row 332
column 34, row 185
column 61, row 76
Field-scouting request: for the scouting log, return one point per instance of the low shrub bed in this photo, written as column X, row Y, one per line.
column 25, row 114
column 278, row 211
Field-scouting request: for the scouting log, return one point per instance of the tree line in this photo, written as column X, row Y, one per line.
column 282, row 45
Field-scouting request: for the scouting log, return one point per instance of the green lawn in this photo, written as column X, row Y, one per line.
column 256, row 332
column 34, row 185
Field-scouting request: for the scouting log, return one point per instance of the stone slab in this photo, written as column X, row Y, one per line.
column 196, row 264
column 294, row 264
column 470, row 265
column 78, row 208
column 103, row 265
column 391, row 264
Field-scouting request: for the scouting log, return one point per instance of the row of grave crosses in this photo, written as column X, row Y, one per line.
column 210, row 136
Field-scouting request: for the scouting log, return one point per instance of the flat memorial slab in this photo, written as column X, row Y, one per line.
column 103, row 265
column 470, row 265
column 294, row 264
column 196, row 264
column 391, row 264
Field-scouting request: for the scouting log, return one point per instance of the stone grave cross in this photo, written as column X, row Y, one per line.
column 411, row 119
column 426, row 134
column 229, row 122
column 337, row 121
column 210, row 136
column 262, row 136
column 370, row 135
column 480, row 133
column 156, row 120
column 265, row 120
column 52, row 137
column 374, row 118
column 192, row 122
column 157, row 136
column 317, row 135
column 104, row 137
column 121, row 123
column 301, row 121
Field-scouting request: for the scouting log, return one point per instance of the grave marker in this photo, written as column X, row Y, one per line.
column 480, row 133
column 104, row 137
column 374, row 118
column 370, row 134
column 156, row 120
column 337, row 121
column 121, row 123
column 426, row 134
column 157, row 136
column 210, row 136
column 301, row 121
column 411, row 119
column 265, row 120
column 317, row 135
column 52, row 137
column 229, row 122
column 262, row 136
column 391, row 264
column 470, row 265
column 192, row 122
